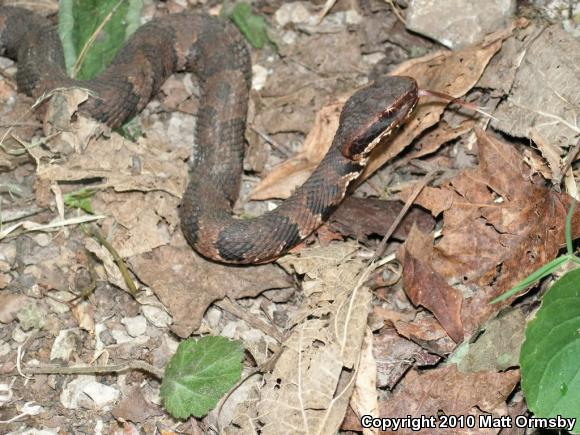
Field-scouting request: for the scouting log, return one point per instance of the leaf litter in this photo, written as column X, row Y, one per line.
column 348, row 350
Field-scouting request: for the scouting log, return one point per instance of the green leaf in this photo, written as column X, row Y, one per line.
column 252, row 26
column 550, row 354
column 199, row 374
column 80, row 30
column 80, row 199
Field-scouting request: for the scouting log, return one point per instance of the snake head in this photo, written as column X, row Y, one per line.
column 373, row 113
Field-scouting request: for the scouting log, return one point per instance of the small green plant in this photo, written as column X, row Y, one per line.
column 80, row 199
column 199, row 374
column 252, row 26
column 550, row 353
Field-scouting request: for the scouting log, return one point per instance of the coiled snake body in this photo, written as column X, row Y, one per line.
column 217, row 54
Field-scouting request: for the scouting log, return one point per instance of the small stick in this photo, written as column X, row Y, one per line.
column 94, row 370
column 93, row 232
column 418, row 188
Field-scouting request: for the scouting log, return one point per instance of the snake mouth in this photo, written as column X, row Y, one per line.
column 383, row 124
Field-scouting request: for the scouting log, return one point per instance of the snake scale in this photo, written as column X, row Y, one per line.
column 216, row 53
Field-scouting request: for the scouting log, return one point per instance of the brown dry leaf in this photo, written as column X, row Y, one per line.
column 428, row 332
column 435, row 199
column 139, row 221
column 364, row 397
column 312, row 382
column 434, row 139
column 500, row 228
column 543, row 103
column 187, row 284
column 123, row 165
column 426, row 288
column 84, row 314
column 113, row 274
column 395, row 354
column 452, row 392
column 134, row 407
column 283, row 179
column 362, row 217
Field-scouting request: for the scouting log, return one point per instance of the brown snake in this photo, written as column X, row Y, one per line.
column 216, row 53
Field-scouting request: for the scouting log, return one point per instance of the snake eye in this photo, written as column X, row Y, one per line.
column 373, row 113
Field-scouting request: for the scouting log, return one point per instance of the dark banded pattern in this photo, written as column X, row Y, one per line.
column 217, row 54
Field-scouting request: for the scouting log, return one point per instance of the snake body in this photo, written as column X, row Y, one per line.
column 217, row 54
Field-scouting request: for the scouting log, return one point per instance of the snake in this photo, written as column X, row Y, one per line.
column 216, row 53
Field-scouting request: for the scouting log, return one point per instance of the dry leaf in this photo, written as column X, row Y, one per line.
column 499, row 228
column 426, row 288
column 134, row 407
column 395, row 354
column 363, row 217
column 428, row 332
column 312, row 382
column 452, row 392
column 187, row 284
column 364, row 397
column 543, row 103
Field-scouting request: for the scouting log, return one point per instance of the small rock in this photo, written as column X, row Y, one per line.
column 59, row 307
column 156, row 316
column 213, row 316
column 259, row 76
column 162, row 353
column 135, row 325
column 120, row 336
column 458, row 23
column 232, row 330
column 65, row 343
column 19, row 336
column 8, row 253
column 295, row 13
column 4, row 348
column 42, row 239
column 101, row 394
column 5, row 279
column 87, row 393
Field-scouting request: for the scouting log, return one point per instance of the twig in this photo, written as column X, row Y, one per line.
column 327, row 7
column 95, row 370
column 418, row 188
column 278, row 146
column 33, row 226
column 93, row 232
column 397, row 12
